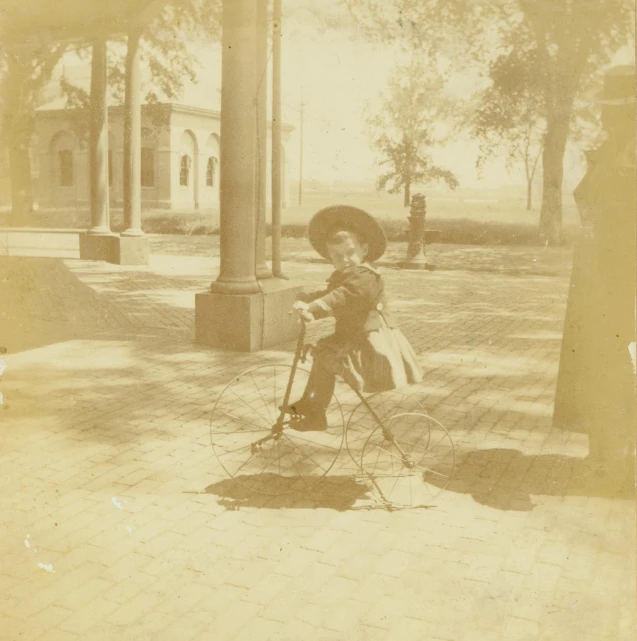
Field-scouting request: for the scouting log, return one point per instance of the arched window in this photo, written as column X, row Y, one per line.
column 148, row 167
column 184, row 171
column 211, row 170
column 65, row 160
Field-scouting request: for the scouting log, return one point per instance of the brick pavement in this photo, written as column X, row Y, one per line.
column 117, row 523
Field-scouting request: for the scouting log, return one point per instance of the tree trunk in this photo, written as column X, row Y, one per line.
column 19, row 88
column 529, row 194
column 561, row 88
column 18, row 125
column 21, row 181
column 407, row 198
column 550, row 232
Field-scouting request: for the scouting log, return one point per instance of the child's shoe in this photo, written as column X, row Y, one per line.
column 309, row 423
column 307, row 415
column 301, row 407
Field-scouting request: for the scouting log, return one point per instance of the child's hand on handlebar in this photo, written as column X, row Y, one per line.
column 303, row 310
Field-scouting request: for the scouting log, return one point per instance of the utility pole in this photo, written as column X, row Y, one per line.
column 301, row 154
column 276, row 140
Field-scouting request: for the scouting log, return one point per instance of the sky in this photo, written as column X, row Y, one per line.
column 340, row 79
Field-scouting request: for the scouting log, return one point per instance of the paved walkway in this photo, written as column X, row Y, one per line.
column 116, row 522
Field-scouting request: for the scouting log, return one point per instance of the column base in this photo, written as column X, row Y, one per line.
column 417, row 265
column 263, row 272
column 97, row 246
column 247, row 322
column 131, row 250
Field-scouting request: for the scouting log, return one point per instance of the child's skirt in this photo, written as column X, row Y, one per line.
column 380, row 360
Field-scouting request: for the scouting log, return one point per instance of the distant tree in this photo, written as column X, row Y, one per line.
column 509, row 115
column 26, row 68
column 24, row 73
column 407, row 127
column 164, row 51
column 570, row 40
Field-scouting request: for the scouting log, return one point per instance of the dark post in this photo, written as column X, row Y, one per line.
column 416, row 248
column 301, row 155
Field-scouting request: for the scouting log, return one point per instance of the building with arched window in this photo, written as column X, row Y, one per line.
column 180, row 159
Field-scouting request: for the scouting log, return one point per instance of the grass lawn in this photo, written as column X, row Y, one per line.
column 546, row 261
column 464, row 216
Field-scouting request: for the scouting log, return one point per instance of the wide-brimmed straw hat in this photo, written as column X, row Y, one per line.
column 344, row 217
column 619, row 86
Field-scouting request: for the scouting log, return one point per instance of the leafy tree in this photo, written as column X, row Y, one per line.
column 26, row 71
column 509, row 115
column 407, row 127
column 569, row 40
column 164, row 51
column 27, row 68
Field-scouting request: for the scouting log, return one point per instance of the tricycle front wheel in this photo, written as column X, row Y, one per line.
column 256, row 446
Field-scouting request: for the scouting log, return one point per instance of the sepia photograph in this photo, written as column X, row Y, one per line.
column 318, row 320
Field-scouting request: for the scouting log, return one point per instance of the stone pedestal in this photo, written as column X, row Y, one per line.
column 416, row 258
column 98, row 247
column 418, row 262
column 247, row 322
column 131, row 250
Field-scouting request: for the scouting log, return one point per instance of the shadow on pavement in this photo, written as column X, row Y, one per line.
column 506, row 479
column 338, row 493
column 44, row 304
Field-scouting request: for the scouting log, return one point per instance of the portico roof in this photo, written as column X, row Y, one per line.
column 33, row 22
column 57, row 106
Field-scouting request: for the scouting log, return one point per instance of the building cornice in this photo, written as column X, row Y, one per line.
column 166, row 106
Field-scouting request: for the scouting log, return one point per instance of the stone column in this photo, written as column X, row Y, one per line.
column 132, row 246
column 98, row 142
column 262, row 134
column 237, row 314
column 237, row 272
column 97, row 243
column 132, row 141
